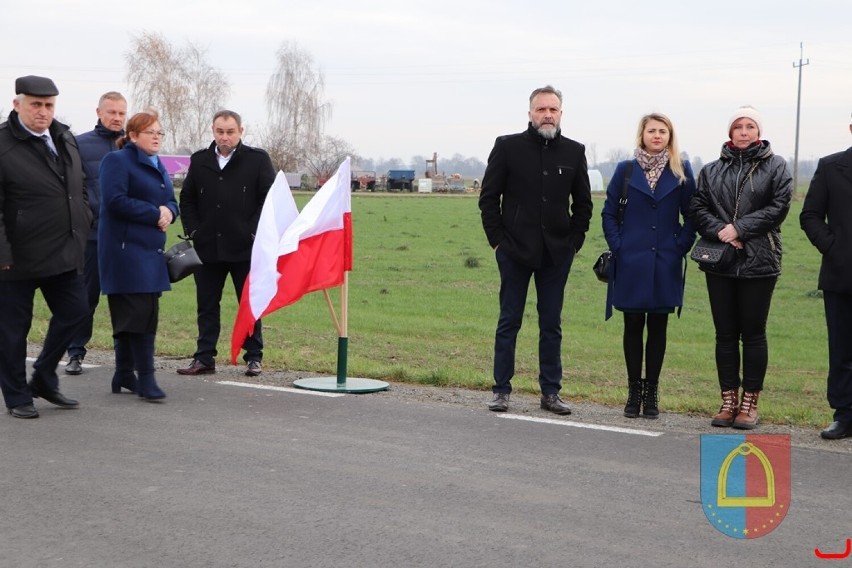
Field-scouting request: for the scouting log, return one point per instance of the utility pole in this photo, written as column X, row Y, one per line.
column 798, row 112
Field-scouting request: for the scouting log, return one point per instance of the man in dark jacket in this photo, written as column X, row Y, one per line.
column 221, row 201
column 826, row 218
column 536, row 204
column 94, row 145
column 44, row 221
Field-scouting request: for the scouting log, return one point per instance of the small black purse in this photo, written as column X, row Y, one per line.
column 713, row 254
column 181, row 260
column 602, row 265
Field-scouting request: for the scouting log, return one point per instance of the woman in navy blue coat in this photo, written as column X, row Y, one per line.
column 649, row 249
column 137, row 206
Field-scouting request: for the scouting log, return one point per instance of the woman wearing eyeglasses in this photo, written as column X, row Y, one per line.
column 137, row 206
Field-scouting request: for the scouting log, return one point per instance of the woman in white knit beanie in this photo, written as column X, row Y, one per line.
column 741, row 200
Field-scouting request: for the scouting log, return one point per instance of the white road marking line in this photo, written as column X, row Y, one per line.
column 63, row 363
column 279, row 389
column 581, row 425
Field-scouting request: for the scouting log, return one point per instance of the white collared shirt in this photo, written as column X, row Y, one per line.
column 223, row 160
column 39, row 135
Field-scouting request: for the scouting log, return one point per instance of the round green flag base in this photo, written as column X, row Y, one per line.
column 332, row 384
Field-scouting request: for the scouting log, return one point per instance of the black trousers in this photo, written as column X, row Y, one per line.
column 550, row 289
column 654, row 348
column 209, row 283
column 92, row 283
column 66, row 299
column 740, row 308
column 838, row 319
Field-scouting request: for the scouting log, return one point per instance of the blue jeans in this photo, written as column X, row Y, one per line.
column 550, row 284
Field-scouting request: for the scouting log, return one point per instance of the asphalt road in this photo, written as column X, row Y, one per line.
column 231, row 476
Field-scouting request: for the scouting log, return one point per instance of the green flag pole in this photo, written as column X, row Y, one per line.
column 341, row 383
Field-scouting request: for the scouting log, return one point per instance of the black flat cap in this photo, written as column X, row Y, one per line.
column 35, row 86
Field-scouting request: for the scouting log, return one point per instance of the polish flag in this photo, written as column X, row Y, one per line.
column 296, row 253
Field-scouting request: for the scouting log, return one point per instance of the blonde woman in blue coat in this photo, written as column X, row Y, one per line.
column 137, row 206
column 649, row 248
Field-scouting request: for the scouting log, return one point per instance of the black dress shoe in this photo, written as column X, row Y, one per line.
column 253, row 368
column 24, row 411
column 554, row 404
column 500, row 403
column 198, row 368
column 837, row 430
column 53, row 397
column 74, row 366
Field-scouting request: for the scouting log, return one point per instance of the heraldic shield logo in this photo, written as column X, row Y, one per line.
column 745, row 482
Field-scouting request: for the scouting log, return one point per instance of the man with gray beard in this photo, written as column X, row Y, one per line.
column 536, row 205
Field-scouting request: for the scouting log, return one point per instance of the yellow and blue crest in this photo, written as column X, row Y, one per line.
column 745, row 482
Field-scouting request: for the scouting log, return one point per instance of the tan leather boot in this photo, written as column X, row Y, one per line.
column 728, row 411
column 747, row 418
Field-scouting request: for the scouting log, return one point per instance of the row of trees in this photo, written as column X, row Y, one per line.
column 187, row 91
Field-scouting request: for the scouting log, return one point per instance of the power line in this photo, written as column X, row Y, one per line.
column 798, row 112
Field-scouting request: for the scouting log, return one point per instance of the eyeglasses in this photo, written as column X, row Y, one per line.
column 159, row 133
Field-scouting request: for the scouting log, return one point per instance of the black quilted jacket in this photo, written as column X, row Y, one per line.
column 763, row 204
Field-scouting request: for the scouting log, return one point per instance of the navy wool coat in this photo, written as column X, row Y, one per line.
column 130, row 245
column 649, row 248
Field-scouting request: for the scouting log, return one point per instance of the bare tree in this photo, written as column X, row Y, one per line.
column 284, row 155
column 297, row 113
column 208, row 91
column 180, row 84
column 324, row 159
column 618, row 155
column 592, row 154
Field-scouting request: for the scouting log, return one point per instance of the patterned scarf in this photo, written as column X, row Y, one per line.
column 653, row 165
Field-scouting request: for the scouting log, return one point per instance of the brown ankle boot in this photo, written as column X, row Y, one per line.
column 728, row 411
column 747, row 418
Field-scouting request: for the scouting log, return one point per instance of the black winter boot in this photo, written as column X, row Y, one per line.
column 650, row 398
column 634, row 398
column 142, row 345
column 124, row 375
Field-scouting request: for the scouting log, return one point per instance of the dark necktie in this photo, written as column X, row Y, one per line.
column 46, row 139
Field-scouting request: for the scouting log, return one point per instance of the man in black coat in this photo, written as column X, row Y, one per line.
column 44, row 221
column 220, row 201
column 93, row 146
column 536, row 204
column 826, row 218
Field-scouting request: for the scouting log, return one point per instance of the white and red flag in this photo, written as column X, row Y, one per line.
column 296, row 253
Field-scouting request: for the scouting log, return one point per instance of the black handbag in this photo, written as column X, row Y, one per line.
column 602, row 264
column 182, row 259
column 713, row 254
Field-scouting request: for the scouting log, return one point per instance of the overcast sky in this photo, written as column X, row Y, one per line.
column 412, row 78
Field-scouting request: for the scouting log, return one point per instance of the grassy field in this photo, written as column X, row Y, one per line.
column 423, row 308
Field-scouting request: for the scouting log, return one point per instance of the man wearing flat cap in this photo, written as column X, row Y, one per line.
column 44, row 221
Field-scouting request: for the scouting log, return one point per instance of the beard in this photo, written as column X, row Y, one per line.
column 547, row 131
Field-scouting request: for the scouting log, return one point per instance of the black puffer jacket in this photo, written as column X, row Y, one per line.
column 767, row 188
